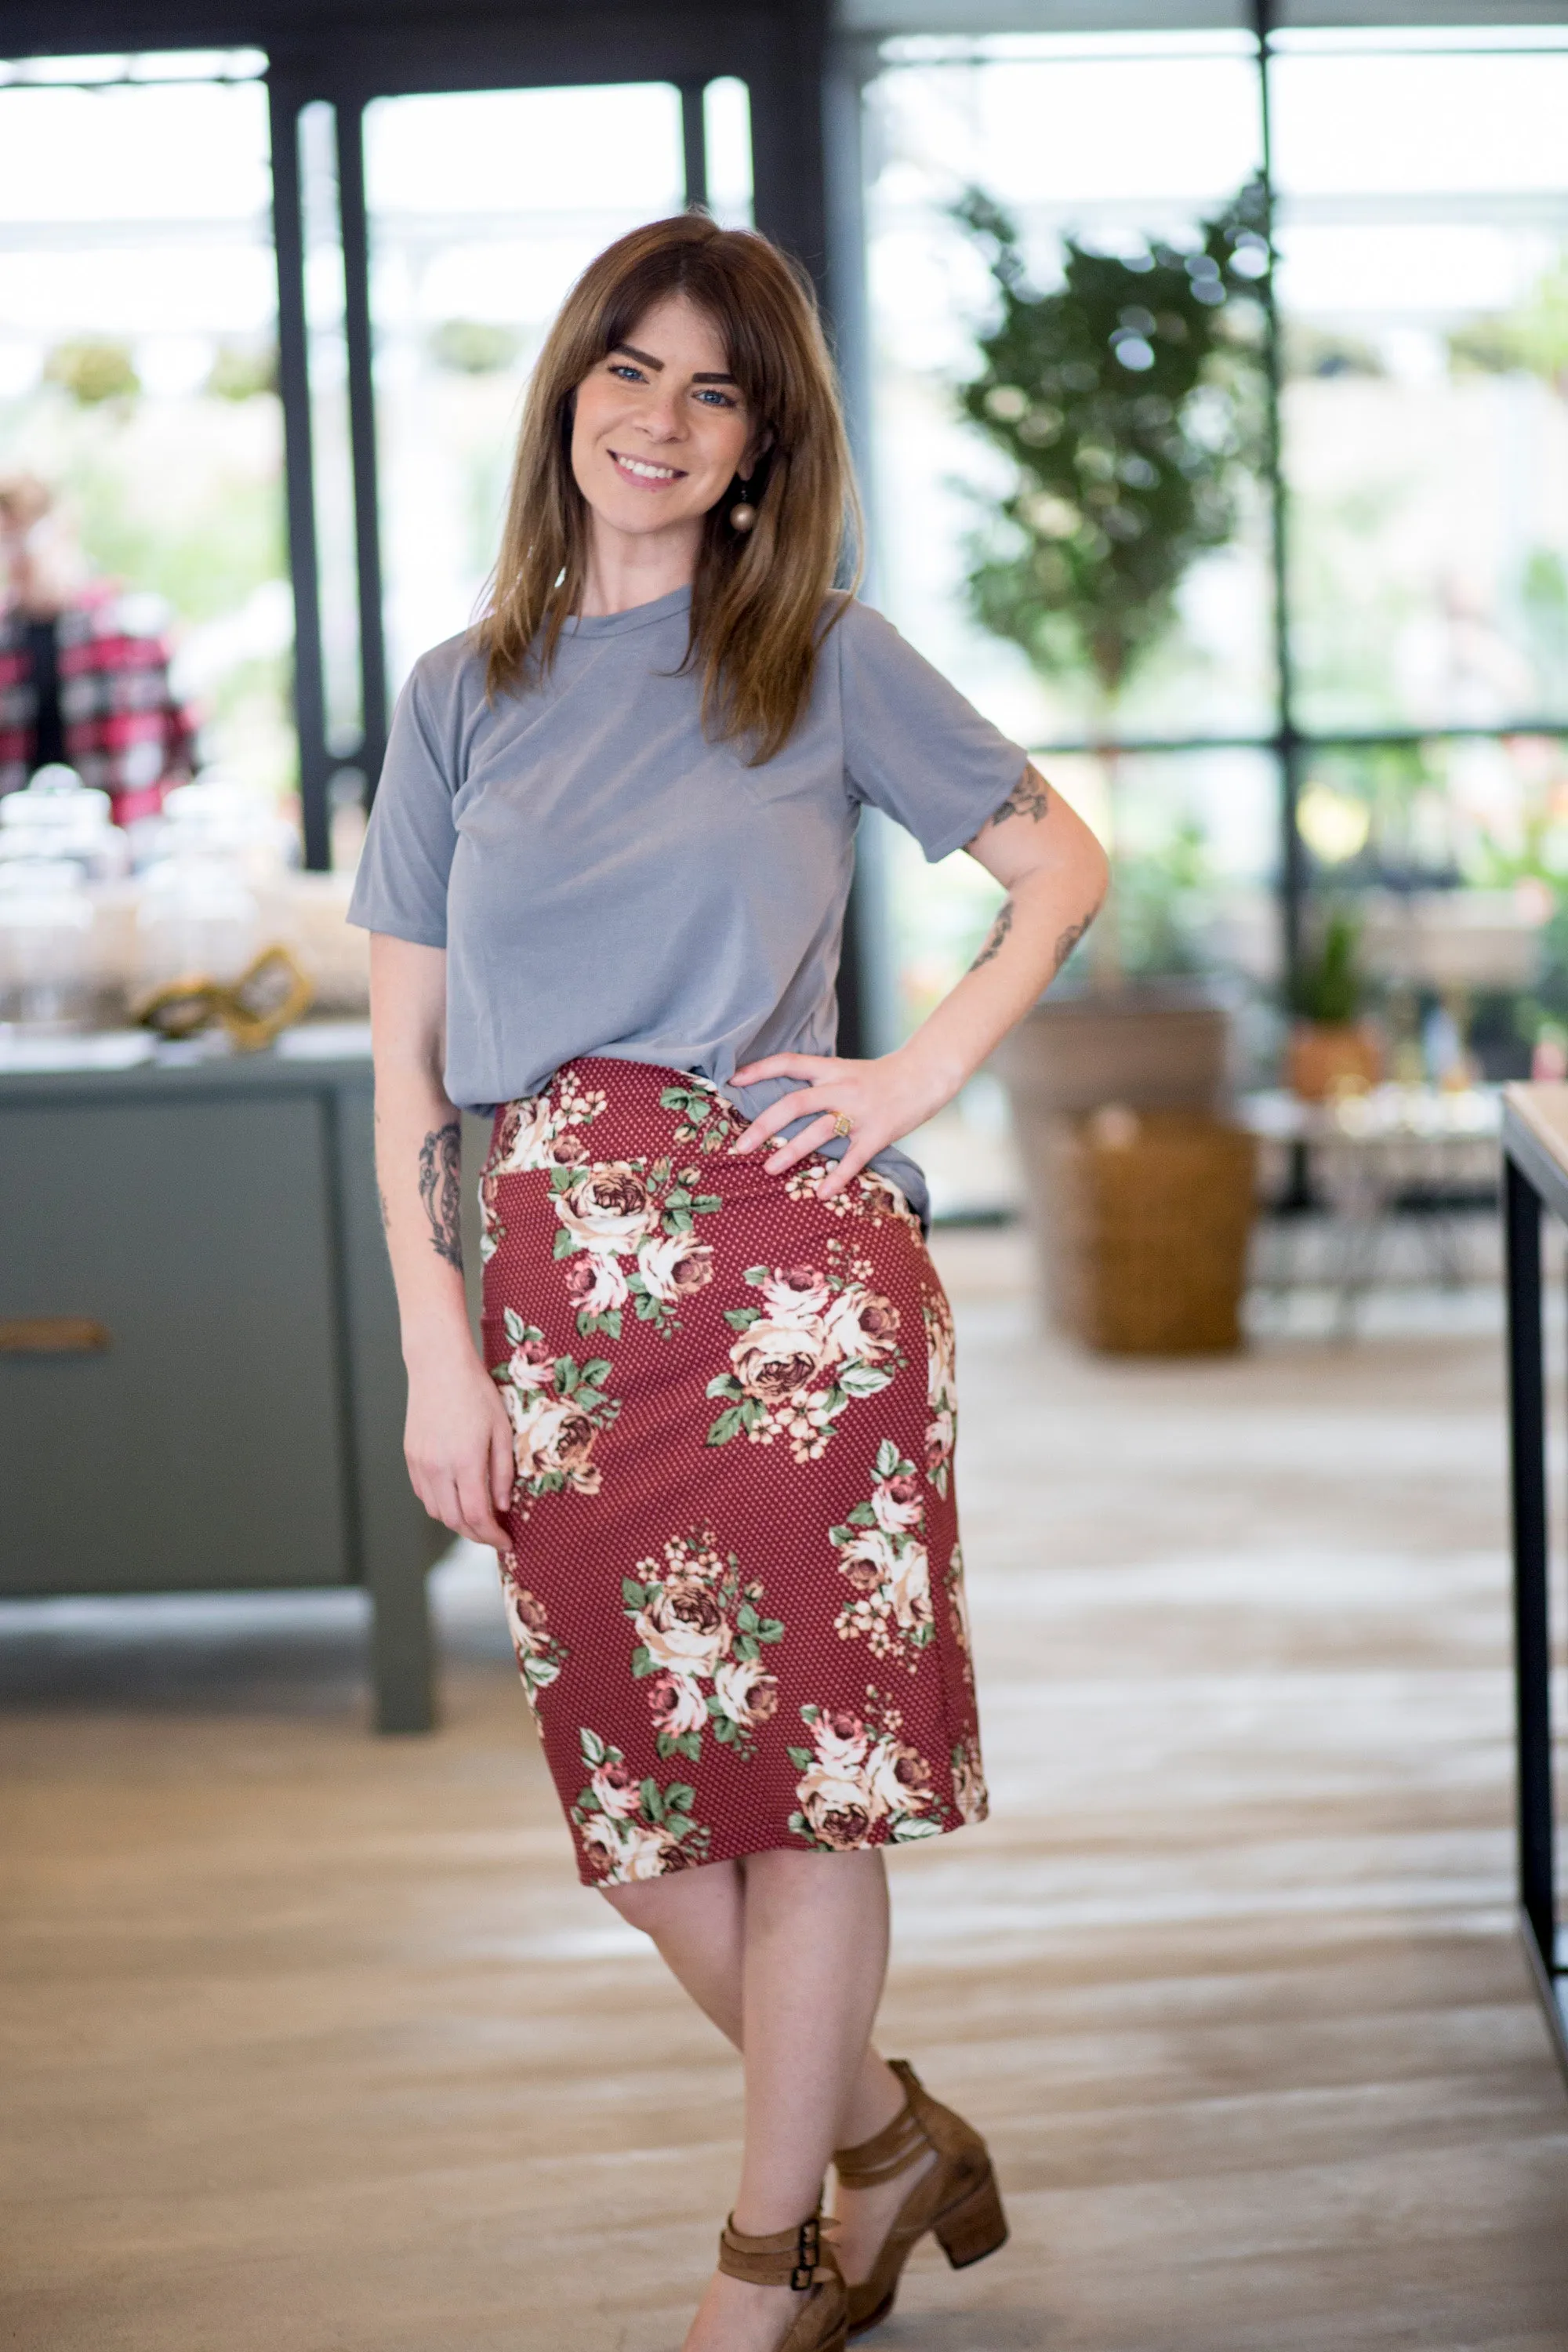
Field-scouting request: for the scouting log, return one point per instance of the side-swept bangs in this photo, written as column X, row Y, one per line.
column 759, row 598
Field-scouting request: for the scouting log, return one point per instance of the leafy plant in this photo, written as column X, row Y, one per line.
column 1128, row 402
column 1329, row 984
column 93, row 370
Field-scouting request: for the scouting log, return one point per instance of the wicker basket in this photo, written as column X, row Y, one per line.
column 1146, row 1248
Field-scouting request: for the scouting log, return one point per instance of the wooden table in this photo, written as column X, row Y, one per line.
column 201, row 1387
column 1535, row 1159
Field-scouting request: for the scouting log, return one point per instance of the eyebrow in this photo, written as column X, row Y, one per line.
column 646, row 358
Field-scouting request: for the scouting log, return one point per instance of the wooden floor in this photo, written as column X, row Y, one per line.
column 313, row 2043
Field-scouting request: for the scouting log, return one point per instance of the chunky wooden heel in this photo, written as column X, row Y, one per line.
column 955, row 2198
column 967, row 2232
column 801, row 2259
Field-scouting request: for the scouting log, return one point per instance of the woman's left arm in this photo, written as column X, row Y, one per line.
column 1055, row 874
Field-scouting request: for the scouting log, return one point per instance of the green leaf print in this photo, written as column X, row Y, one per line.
column 633, row 1594
column 862, row 1380
column 652, row 1802
column 756, row 1275
column 680, row 1796
column 728, row 1425
column 563, row 1244
column 740, row 1318
column 593, row 1748
column 516, row 1328
column 890, row 1462
column 642, row 1661
column 746, row 1618
column 678, row 1221
column 911, row 1826
column 595, row 1370
column 566, row 1375
column 707, row 1205
column 770, row 1630
column 802, row 1758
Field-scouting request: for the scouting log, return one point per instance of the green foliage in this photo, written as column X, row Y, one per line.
column 243, row 371
column 1158, row 895
column 473, row 347
column 1129, row 403
column 1531, row 339
column 92, row 370
column 206, row 556
column 1330, row 985
column 1543, row 597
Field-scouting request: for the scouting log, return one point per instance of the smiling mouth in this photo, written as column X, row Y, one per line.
column 646, row 469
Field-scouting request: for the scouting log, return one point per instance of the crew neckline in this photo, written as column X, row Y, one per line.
column 636, row 616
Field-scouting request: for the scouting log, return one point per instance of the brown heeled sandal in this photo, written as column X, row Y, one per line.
column 956, row 2197
column 801, row 2259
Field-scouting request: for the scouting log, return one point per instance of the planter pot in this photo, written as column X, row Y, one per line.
column 1150, row 1215
column 1324, row 1058
column 1151, row 1051
column 1140, row 1049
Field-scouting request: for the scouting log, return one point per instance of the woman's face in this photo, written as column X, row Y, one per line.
column 660, row 427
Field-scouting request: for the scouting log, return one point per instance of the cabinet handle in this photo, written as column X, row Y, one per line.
column 52, row 1335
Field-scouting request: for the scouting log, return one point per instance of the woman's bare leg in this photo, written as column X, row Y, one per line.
column 786, row 1953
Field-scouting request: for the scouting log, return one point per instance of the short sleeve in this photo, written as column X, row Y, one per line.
column 401, row 885
column 912, row 746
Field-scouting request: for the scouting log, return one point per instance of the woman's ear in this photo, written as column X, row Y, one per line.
column 756, row 454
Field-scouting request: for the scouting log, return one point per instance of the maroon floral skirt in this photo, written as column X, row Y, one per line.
column 736, row 1591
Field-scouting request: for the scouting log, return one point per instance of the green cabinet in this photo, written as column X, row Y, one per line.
column 200, row 1382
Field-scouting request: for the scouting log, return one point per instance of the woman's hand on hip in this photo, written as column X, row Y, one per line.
column 457, row 1441
column 881, row 1101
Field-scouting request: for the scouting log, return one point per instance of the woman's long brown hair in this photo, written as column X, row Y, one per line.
column 758, row 598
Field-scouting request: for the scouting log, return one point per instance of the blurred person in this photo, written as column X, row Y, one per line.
column 84, row 671
column 710, row 1435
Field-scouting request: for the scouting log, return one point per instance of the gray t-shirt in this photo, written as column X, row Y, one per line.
column 606, row 880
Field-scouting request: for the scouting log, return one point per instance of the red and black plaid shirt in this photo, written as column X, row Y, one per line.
column 122, row 729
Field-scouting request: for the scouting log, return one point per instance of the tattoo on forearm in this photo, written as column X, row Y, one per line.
column 996, row 936
column 1070, row 938
column 1030, row 797
column 441, row 1190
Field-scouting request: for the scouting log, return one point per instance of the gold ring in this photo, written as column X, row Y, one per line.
column 843, row 1124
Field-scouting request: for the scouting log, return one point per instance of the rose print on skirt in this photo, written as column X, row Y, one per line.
column 860, row 1783
column 557, row 1410
column 883, row 1557
column 539, row 1658
column 638, row 1210
column 701, row 1634
column 727, row 1512
column 819, row 1337
column 630, row 1829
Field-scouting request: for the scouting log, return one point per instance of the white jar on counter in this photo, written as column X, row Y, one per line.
column 48, row 965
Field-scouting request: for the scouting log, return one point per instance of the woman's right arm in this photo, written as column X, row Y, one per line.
column 457, row 1438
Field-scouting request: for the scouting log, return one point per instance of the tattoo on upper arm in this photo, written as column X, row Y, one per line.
column 995, row 935
column 1030, row 797
column 1070, row 938
column 441, row 1190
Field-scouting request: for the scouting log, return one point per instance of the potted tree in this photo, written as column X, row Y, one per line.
column 1127, row 400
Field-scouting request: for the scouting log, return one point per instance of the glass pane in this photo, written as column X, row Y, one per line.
column 331, row 463
column 138, row 300
column 1195, row 836
column 1423, row 233
column 484, row 207
column 1451, row 859
column 727, row 137
column 1129, row 142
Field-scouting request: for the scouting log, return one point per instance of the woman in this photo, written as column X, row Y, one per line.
column 711, row 1434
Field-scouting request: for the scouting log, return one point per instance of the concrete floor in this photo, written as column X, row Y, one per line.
column 314, row 2042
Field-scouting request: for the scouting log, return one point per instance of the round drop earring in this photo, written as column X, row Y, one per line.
column 744, row 514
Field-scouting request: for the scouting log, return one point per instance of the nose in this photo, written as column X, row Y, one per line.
column 662, row 418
